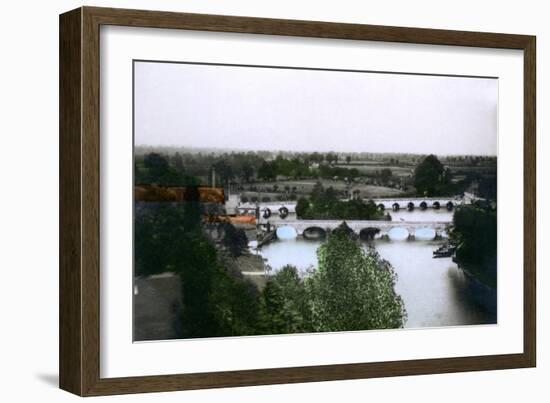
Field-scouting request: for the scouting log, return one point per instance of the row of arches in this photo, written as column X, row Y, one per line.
column 283, row 212
column 369, row 233
column 423, row 206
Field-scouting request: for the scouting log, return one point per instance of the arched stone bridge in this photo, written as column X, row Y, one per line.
column 421, row 203
column 359, row 227
column 395, row 204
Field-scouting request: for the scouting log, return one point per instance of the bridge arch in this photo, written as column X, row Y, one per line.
column 314, row 233
column 395, row 206
column 436, row 205
column 398, row 233
column 425, row 233
column 381, row 207
column 283, row 212
column 410, row 206
column 450, row 205
column 423, row 205
column 367, row 234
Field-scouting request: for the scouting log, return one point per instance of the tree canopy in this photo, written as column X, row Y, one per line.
column 217, row 299
column 353, row 290
column 325, row 204
column 430, row 177
column 475, row 235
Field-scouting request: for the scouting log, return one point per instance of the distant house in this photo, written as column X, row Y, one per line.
column 231, row 204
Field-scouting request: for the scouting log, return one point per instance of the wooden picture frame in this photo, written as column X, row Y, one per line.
column 79, row 346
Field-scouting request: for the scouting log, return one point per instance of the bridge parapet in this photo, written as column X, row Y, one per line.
column 384, row 226
column 388, row 203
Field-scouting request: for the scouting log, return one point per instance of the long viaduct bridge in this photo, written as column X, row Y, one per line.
column 422, row 203
column 287, row 209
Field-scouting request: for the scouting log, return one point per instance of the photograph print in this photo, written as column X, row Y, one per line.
column 272, row 200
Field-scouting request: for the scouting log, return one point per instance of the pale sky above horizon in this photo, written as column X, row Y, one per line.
column 253, row 108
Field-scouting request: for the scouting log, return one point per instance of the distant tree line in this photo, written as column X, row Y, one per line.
column 243, row 168
column 155, row 169
column 432, row 178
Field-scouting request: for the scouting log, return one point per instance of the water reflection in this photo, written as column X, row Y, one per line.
column 419, row 215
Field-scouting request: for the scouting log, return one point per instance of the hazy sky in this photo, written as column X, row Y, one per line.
column 303, row 110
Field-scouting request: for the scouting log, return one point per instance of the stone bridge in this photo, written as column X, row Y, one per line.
column 395, row 204
column 363, row 228
column 422, row 203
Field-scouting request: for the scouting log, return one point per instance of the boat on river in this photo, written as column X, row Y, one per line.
column 444, row 251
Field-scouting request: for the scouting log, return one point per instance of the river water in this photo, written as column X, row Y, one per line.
column 435, row 291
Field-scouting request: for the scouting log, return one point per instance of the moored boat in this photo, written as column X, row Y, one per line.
column 444, row 251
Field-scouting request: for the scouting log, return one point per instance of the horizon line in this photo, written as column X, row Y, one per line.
column 237, row 149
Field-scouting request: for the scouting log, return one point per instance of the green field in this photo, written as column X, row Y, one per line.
column 305, row 187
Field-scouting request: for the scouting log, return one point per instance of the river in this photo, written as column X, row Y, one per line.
column 435, row 291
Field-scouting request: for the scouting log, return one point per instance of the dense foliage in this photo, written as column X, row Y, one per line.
column 431, row 178
column 156, row 169
column 475, row 236
column 284, row 304
column 325, row 204
column 217, row 300
column 353, row 290
column 234, row 239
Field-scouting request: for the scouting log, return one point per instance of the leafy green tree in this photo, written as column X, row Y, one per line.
column 266, row 171
column 224, row 171
column 326, row 204
column 156, row 164
column 352, row 290
column 234, row 239
column 331, row 157
column 315, row 157
column 272, row 305
column 156, row 227
column 247, row 171
column 474, row 233
column 178, row 162
column 157, row 170
column 235, row 301
column 302, row 207
column 284, row 303
column 430, row 177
